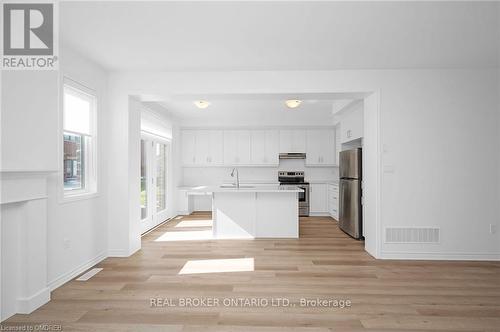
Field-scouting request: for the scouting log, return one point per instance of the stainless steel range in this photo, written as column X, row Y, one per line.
column 287, row 178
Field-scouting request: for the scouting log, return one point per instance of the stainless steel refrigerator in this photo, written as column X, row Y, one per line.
column 350, row 216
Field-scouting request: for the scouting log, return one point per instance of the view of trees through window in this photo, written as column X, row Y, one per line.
column 74, row 161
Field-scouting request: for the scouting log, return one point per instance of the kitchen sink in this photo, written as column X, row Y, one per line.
column 232, row 186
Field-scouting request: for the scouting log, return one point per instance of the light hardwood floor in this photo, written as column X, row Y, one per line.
column 324, row 263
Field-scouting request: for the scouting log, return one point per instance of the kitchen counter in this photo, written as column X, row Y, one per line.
column 245, row 188
column 257, row 211
column 260, row 212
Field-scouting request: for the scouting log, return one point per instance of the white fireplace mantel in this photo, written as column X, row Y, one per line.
column 23, row 204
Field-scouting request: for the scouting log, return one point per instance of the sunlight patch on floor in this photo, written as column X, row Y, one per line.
column 195, row 223
column 185, row 236
column 218, row 266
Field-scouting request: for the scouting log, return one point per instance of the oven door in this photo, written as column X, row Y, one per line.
column 304, row 195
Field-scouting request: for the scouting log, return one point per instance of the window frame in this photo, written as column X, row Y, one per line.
column 90, row 172
column 153, row 215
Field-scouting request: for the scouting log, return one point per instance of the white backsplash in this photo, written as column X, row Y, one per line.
column 216, row 175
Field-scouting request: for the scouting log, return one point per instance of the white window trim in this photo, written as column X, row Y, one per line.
column 92, row 185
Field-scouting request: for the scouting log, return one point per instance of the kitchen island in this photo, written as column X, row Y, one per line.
column 254, row 211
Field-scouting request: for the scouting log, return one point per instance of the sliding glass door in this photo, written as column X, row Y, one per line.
column 154, row 183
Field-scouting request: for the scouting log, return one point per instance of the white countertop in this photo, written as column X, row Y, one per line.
column 261, row 188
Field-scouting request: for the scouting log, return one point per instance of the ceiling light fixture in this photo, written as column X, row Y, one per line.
column 293, row 103
column 202, row 104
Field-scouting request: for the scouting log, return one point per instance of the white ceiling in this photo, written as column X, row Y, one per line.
column 222, row 36
column 256, row 109
column 251, row 112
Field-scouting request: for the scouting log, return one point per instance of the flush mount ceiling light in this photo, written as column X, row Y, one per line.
column 202, row 104
column 293, row 103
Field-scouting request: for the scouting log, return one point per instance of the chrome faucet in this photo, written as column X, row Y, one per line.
column 237, row 177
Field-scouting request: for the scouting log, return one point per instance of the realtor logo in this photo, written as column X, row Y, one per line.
column 29, row 36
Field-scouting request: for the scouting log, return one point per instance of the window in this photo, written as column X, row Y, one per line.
column 144, row 180
column 154, row 181
column 161, row 176
column 79, row 107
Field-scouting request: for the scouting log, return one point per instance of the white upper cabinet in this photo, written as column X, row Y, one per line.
column 338, row 144
column 209, row 147
column 292, row 140
column 264, row 147
column 320, row 147
column 237, row 147
column 202, row 147
column 351, row 123
column 259, row 147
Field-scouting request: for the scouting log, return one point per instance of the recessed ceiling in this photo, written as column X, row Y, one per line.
column 249, row 109
column 223, row 36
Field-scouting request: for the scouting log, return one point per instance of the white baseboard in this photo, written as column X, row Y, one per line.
column 56, row 283
column 27, row 305
column 319, row 214
column 134, row 250
column 440, row 256
column 117, row 253
column 122, row 252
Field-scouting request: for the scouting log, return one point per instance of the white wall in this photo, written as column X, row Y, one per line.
column 82, row 222
column 29, row 120
column 31, row 137
column 216, row 175
column 29, row 148
column 371, row 175
column 436, row 130
column 124, row 128
column 436, row 127
column 152, row 122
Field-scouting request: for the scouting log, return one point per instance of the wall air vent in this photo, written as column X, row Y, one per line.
column 412, row 235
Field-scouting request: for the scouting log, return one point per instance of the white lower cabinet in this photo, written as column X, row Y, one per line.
column 333, row 200
column 184, row 203
column 318, row 198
